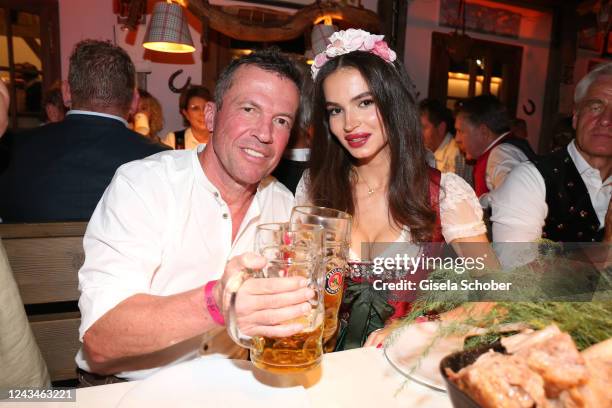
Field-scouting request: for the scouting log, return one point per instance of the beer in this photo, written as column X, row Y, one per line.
column 335, row 267
column 296, row 353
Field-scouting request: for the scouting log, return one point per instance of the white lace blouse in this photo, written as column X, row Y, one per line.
column 460, row 211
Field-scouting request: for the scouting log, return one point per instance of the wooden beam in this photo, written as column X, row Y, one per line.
column 23, row 31
column 295, row 26
column 34, row 46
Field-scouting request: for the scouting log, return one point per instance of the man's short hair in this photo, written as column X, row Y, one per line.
column 486, row 110
column 270, row 59
column 101, row 75
column 437, row 113
column 583, row 85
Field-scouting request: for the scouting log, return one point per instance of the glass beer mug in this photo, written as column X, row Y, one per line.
column 291, row 250
column 337, row 225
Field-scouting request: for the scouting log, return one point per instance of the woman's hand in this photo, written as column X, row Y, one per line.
column 377, row 337
column 270, row 307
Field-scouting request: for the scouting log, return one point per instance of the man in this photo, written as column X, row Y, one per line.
column 58, row 172
column 167, row 225
column 565, row 196
column 437, row 127
column 483, row 134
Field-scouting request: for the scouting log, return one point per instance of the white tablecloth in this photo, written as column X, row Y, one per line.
column 354, row 378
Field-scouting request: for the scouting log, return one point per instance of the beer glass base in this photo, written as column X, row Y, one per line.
column 281, row 369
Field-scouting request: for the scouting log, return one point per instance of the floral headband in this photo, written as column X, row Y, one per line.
column 343, row 42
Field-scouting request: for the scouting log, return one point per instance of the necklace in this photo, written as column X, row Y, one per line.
column 370, row 189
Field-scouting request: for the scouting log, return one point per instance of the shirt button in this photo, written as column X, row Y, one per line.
column 225, row 216
column 216, row 194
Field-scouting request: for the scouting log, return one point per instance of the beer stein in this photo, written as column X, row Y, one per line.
column 291, row 250
column 337, row 225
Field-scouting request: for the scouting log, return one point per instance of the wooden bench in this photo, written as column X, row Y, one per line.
column 45, row 259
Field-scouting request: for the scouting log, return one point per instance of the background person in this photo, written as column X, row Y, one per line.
column 191, row 104
column 58, row 172
column 565, row 196
column 483, row 134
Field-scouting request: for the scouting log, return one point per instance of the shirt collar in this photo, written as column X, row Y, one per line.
column 300, row 155
column 495, row 141
column 91, row 113
column 445, row 141
column 581, row 164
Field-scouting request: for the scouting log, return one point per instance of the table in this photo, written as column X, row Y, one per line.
column 353, row 378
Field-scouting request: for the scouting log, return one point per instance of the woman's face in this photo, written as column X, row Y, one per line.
column 195, row 113
column 353, row 116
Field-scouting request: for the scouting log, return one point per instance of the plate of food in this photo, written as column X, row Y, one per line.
column 539, row 369
column 416, row 352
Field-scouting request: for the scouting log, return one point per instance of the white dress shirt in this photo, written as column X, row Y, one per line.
column 162, row 228
column 449, row 159
column 502, row 159
column 519, row 205
column 190, row 141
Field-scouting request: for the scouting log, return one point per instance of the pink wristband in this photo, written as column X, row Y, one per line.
column 211, row 303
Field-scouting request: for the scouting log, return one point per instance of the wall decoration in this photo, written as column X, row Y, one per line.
column 480, row 18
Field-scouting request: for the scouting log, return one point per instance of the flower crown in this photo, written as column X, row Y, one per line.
column 343, row 42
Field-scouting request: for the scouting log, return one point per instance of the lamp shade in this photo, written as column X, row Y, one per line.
column 168, row 30
column 320, row 37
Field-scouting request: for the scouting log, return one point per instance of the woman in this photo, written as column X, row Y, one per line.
column 368, row 157
column 191, row 103
column 149, row 120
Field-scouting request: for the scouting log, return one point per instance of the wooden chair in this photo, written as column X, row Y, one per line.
column 45, row 259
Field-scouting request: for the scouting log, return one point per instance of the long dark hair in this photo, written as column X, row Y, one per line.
column 331, row 166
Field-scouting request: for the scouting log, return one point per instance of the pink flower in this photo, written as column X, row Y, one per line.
column 383, row 51
column 343, row 42
column 320, row 60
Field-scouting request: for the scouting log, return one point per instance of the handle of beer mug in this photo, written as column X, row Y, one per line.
column 229, row 300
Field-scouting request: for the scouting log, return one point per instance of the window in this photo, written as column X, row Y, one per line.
column 29, row 56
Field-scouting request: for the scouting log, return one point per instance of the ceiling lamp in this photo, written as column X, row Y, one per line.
column 319, row 37
column 168, row 30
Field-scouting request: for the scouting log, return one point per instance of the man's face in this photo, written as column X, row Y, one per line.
column 432, row 134
column 253, row 125
column 472, row 139
column 592, row 121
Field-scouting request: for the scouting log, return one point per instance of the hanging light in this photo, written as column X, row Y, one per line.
column 319, row 38
column 168, row 30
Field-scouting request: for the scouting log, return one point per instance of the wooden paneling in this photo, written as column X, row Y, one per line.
column 45, row 259
column 58, row 340
column 55, row 229
column 46, row 269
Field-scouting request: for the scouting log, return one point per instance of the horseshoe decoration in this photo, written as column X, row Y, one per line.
column 530, row 108
column 171, row 82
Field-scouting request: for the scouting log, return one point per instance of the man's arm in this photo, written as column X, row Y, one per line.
column 144, row 324
column 519, row 206
column 502, row 160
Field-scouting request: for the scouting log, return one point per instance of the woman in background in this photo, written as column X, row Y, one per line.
column 191, row 103
column 149, row 120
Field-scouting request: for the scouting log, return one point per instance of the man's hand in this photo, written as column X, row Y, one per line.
column 264, row 307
